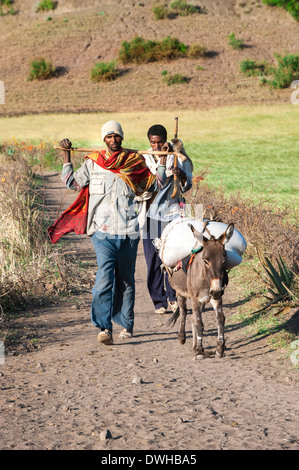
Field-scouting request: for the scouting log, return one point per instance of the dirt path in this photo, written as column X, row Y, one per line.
column 68, row 392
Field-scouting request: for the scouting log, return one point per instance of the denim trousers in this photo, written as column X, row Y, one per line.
column 113, row 295
column 157, row 281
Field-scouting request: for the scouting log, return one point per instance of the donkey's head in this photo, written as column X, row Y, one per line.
column 213, row 258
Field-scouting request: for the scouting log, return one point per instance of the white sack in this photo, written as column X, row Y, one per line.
column 177, row 241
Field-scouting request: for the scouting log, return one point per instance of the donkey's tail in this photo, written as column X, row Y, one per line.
column 172, row 320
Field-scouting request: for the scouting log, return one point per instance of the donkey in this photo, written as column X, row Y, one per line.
column 204, row 281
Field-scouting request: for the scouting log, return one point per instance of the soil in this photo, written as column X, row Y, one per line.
column 78, row 34
column 145, row 393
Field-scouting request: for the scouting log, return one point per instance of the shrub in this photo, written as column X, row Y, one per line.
column 173, row 79
column 182, row 8
column 292, row 6
column 8, row 9
column 197, row 50
column 143, row 51
column 234, row 42
column 41, row 70
column 160, row 12
column 45, row 5
column 286, row 72
column 251, row 67
column 104, row 71
column 283, row 75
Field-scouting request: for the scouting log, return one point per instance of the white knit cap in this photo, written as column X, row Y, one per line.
column 111, row 127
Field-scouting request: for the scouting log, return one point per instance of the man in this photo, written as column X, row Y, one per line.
column 113, row 178
column 160, row 209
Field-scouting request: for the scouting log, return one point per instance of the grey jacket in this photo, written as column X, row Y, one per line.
column 112, row 208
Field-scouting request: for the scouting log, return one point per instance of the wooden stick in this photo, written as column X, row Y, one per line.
column 175, row 164
column 140, row 152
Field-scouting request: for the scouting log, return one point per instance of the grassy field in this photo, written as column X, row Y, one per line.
column 253, row 149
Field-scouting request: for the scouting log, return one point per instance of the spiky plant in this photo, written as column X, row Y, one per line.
column 280, row 283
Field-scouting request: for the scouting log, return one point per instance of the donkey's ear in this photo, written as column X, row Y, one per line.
column 198, row 235
column 226, row 236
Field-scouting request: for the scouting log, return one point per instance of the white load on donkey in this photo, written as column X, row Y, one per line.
column 177, row 241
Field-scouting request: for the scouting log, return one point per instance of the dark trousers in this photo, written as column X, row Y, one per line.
column 157, row 281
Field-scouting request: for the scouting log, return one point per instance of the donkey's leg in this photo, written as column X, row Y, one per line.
column 183, row 314
column 217, row 306
column 197, row 327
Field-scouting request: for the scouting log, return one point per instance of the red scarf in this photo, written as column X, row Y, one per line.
column 129, row 166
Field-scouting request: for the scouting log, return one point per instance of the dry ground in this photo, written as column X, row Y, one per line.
column 68, row 389
column 81, row 33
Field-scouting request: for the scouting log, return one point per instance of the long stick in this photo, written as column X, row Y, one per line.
column 175, row 178
column 140, row 152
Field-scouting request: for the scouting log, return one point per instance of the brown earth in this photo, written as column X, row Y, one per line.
column 69, row 390
column 82, row 33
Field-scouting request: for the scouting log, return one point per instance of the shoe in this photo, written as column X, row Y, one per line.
column 105, row 337
column 161, row 311
column 173, row 305
column 126, row 334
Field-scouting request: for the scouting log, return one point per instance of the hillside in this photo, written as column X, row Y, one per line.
column 77, row 36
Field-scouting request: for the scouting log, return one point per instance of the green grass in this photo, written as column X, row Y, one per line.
column 254, row 149
column 253, row 165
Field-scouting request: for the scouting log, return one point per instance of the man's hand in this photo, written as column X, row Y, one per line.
column 67, row 145
column 166, row 147
column 180, row 173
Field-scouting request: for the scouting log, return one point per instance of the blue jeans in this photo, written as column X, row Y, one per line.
column 114, row 290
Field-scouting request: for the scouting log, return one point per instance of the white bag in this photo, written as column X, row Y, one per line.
column 177, row 241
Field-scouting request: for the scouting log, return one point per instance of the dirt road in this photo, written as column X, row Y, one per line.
column 146, row 393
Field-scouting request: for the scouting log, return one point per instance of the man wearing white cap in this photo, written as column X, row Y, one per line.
column 108, row 182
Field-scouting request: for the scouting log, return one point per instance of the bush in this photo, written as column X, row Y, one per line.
column 234, row 42
column 197, row 50
column 161, row 12
column 41, row 70
column 45, row 5
column 283, row 75
column 292, row 6
column 286, row 72
column 173, row 79
column 143, row 51
column 182, row 8
column 8, row 9
column 104, row 71
column 251, row 67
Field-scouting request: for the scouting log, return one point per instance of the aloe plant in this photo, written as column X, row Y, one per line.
column 279, row 282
